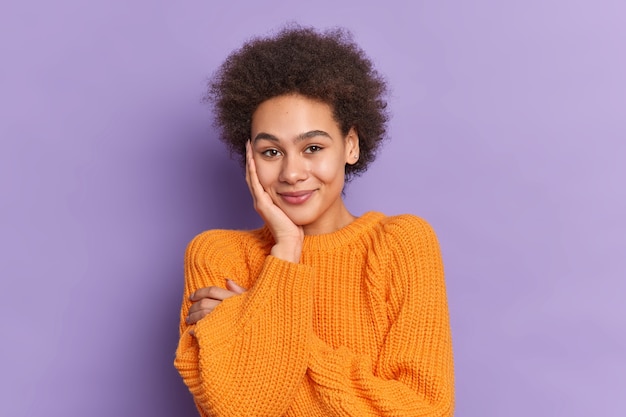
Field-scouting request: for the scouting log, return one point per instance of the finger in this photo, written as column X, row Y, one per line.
column 234, row 287
column 215, row 293
column 200, row 309
column 197, row 316
column 249, row 164
column 251, row 176
column 248, row 152
column 204, row 304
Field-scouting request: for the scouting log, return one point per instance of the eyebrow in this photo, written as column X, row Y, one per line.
column 300, row 137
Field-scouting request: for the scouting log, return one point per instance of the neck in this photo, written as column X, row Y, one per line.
column 334, row 219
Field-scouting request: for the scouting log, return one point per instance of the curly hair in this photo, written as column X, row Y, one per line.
column 327, row 66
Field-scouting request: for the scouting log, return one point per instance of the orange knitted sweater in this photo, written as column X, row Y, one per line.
column 358, row 328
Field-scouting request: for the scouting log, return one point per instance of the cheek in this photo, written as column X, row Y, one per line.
column 330, row 170
column 265, row 173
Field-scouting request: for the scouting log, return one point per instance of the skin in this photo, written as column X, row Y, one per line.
column 295, row 170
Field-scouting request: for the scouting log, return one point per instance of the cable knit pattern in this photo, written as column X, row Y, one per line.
column 359, row 327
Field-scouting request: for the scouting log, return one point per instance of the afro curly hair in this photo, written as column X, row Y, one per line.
column 327, row 66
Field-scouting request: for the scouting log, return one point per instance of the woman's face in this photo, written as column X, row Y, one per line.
column 300, row 156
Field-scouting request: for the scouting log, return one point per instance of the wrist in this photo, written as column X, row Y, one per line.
column 289, row 251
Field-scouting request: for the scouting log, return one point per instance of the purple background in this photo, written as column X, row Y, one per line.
column 508, row 135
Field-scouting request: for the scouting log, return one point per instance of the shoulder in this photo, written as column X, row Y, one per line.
column 400, row 239
column 416, row 269
column 389, row 233
column 214, row 255
column 222, row 242
column 408, row 230
column 412, row 242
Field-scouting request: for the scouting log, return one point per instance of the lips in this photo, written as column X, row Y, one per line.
column 296, row 197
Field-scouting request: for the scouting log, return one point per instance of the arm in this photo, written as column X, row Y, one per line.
column 413, row 375
column 247, row 356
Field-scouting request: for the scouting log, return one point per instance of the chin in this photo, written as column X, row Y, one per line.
column 300, row 219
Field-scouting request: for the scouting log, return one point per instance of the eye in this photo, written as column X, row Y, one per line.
column 271, row 153
column 313, row 149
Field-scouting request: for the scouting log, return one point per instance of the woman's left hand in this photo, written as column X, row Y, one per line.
column 206, row 299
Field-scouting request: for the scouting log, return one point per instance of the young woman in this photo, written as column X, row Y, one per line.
column 318, row 313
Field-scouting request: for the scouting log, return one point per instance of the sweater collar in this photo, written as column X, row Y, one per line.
column 343, row 236
column 328, row 241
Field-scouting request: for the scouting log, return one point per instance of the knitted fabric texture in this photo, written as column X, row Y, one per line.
column 359, row 327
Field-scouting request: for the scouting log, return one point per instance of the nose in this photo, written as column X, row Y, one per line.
column 294, row 169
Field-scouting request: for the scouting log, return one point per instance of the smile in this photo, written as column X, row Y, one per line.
column 297, row 197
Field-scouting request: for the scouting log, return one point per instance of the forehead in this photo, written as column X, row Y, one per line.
column 291, row 115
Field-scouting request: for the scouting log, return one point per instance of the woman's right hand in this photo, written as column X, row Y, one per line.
column 287, row 235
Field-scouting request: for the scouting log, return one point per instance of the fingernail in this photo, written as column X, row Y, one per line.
column 191, row 296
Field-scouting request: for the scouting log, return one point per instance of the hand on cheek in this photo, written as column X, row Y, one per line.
column 287, row 235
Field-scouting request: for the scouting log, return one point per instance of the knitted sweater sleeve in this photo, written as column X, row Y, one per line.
column 413, row 375
column 248, row 356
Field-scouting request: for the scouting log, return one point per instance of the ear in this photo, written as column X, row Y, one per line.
column 352, row 146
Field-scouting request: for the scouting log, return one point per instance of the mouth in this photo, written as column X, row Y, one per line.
column 296, row 197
